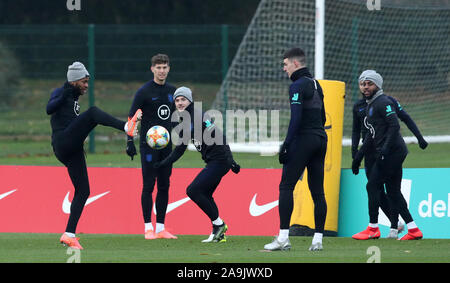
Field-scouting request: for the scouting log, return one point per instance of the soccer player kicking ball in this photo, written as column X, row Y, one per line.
column 391, row 151
column 305, row 146
column 69, row 130
column 215, row 152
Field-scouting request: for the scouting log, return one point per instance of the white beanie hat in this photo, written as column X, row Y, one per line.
column 183, row 91
column 76, row 72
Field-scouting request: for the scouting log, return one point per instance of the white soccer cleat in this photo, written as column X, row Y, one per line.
column 393, row 234
column 209, row 240
column 316, row 247
column 278, row 246
column 222, row 239
column 400, row 227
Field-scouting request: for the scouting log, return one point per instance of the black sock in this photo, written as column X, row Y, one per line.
column 285, row 207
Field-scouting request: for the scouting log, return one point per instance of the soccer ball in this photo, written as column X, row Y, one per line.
column 158, row 137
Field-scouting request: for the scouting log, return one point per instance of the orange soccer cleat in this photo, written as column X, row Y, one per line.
column 369, row 233
column 70, row 242
column 132, row 124
column 413, row 234
column 150, row 235
column 164, row 234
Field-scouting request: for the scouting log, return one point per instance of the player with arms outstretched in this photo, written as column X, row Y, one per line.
column 211, row 143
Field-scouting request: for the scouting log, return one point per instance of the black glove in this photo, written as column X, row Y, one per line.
column 131, row 149
column 355, row 167
column 357, row 162
column 236, row 168
column 354, row 151
column 423, row 143
column 283, row 154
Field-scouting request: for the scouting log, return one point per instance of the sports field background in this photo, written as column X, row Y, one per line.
column 25, row 130
column 39, row 56
column 25, row 140
column 237, row 249
column 35, row 150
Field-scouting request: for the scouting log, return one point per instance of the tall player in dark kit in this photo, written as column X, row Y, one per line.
column 70, row 128
column 155, row 98
column 305, row 146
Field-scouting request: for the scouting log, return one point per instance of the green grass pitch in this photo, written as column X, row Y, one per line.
column 37, row 248
column 45, row 248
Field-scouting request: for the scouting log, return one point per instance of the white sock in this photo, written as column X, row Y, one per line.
column 148, row 226
column 411, row 225
column 126, row 127
column 317, row 238
column 283, row 235
column 71, row 235
column 159, row 227
column 217, row 222
column 373, row 225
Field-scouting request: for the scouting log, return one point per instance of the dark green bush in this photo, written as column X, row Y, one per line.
column 9, row 75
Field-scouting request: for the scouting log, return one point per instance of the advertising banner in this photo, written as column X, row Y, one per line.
column 37, row 199
column 426, row 191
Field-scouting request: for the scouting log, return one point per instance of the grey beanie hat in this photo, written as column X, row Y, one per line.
column 364, row 73
column 76, row 72
column 183, row 91
column 373, row 76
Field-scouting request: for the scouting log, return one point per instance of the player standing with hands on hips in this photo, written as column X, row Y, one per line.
column 155, row 98
column 305, row 146
column 69, row 131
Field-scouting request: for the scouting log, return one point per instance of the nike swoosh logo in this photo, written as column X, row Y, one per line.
column 173, row 205
column 66, row 203
column 257, row 210
column 7, row 194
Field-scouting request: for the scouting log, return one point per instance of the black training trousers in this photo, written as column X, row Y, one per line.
column 150, row 176
column 306, row 151
column 388, row 172
column 68, row 148
column 369, row 162
column 204, row 185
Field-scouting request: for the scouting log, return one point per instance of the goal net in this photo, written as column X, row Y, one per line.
column 407, row 42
